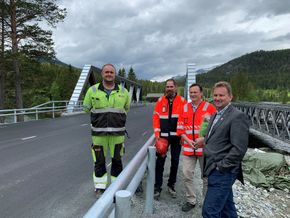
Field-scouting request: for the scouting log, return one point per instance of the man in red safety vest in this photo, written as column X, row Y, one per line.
column 193, row 115
column 165, row 118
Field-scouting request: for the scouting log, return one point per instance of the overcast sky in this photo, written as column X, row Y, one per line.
column 159, row 37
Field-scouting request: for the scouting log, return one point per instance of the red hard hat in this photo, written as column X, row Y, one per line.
column 161, row 145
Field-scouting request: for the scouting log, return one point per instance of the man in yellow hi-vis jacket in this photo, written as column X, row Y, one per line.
column 108, row 104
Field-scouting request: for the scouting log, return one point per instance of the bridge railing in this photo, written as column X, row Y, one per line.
column 115, row 201
column 269, row 118
column 45, row 110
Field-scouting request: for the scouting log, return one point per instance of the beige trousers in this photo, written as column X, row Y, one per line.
column 188, row 167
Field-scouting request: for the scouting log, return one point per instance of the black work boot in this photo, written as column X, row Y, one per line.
column 187, row 207
column 157, row 193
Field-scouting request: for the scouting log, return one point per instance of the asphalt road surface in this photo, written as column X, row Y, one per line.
column 46, row 166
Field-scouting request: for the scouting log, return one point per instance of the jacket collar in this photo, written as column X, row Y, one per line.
column 223, row 117
column 101, row 87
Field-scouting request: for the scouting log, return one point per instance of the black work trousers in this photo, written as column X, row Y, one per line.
column 175, row 148
column 100, row 163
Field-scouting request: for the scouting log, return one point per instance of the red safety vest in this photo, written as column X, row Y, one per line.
column 189, row 123
column 166, row 115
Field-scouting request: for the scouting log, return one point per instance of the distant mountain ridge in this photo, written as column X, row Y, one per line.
column 52, row 61
column 181, row 79
column 264, row 69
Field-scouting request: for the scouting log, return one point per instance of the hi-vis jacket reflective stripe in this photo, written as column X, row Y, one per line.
column 189, row 123
column 108, row 112
column 165, row 116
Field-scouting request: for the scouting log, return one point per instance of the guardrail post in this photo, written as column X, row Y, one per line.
column 15, row 116
column 53, row 109
column 36, row 114
column 150, row 180
column 79, row 106
column 123, row 200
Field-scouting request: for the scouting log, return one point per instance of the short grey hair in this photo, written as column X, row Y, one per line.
column 225, row 85
column 109, row 64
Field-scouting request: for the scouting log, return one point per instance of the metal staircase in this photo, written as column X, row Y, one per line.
column 85, row 77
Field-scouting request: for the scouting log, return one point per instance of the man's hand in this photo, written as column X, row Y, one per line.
column 199, row 142
column 156, row 138
column 189, row 141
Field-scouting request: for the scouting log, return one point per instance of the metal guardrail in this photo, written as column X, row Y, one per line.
column 115, row 201
column 48, row 109
column 271, row 119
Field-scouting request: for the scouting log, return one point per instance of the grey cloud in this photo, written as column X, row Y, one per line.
column 285, row 37
column 270, row 7
column 160, row 37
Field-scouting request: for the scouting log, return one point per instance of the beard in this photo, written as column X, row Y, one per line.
column 169, row 94
column 109, row 79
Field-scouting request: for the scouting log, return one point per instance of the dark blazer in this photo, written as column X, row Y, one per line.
column 227, row 143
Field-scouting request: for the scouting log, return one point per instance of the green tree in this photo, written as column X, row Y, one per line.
column 181, row 90
column 132, row 75
column 62, row 81
column 27, row 37
column 3, row 16
column 122, row 73
column 283, row 96
column 55, row 91
column 241, row 87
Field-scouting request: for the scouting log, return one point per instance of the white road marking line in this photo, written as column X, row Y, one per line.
column 144, row 133
column 85, row 124
column 109, row 164
column 30, row 137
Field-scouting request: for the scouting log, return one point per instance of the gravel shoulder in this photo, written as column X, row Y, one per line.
column 250, row 201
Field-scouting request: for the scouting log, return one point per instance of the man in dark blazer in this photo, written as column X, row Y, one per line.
column 226, row 143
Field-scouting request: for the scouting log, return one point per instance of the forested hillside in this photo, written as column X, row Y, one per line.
column 61, row 81
column 254, row 75
column 42, row 82
column 264, row 69
column 259, row 76
column 53, row 80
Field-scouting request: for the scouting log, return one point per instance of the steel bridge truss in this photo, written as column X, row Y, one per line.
column 271, row 119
